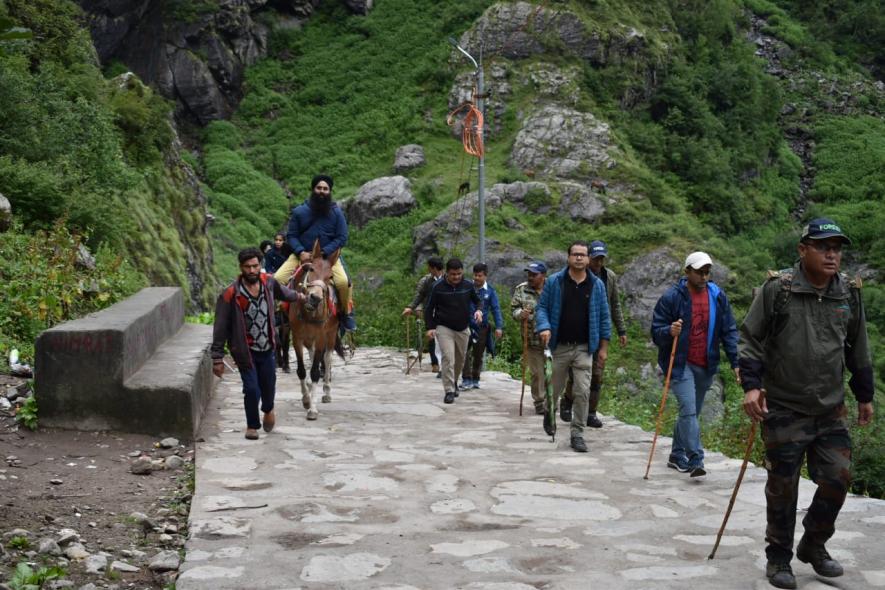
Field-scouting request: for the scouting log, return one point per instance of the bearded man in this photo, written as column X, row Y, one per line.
column 320, row 218
column 244, row 322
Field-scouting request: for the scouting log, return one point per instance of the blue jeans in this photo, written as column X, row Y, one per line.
column 690, row 389
column 259, row 383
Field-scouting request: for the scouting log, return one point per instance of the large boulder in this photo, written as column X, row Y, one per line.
column 5, row 213
column 408, row 157
column 647, row 277
column 361, row 7
column 519, row 30
column 560, row 142
column 388, row 196
column 580, row 202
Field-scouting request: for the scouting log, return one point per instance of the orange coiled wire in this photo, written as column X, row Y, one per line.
column 471, row 135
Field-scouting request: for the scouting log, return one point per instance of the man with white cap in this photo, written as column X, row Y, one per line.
column 702, row 307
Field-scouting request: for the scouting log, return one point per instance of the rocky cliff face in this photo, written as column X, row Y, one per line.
column 194, row 52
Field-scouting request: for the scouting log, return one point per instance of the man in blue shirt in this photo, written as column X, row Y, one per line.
column 572, row 318
column 481, row 333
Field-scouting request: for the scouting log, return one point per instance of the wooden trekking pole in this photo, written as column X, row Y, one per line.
column 750, row 442
column 408, row 344
column 663, row 403
column 525, row 358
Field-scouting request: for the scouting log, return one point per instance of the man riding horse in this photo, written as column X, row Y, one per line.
column 320, row 218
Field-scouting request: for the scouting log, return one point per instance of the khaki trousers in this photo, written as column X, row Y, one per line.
column 576, row 358
column 453, row 346
column 339, row 279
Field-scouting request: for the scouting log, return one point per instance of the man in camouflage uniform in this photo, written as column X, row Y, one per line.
column 422, row 292
column 522, row 307
column 803, row 329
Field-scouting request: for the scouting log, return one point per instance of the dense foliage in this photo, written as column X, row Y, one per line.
column 93, row 151
column 44, row 284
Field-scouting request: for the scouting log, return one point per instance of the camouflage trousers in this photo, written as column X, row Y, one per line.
column 789, row 437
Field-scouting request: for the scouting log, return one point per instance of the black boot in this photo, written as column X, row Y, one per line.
column 780, row 575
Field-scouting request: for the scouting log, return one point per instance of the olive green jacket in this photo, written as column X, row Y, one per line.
column 524, row 297
column 614, row 301
column 797, row 342
column 422, row 292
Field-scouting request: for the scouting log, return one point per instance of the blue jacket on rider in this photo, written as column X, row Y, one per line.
column 305, row 227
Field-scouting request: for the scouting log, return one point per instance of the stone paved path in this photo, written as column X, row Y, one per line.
column 390, row 488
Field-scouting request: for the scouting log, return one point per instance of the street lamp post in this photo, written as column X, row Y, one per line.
column 480, row 105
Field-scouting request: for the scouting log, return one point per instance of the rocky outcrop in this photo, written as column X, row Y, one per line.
column 496, row 103
column 450, row 232
column 408, row 157
column 580, row 202
column 647, row 278
column 5, row 213
column 520, row 30
column 560, row 142
column 193, row 51
column 389, row 196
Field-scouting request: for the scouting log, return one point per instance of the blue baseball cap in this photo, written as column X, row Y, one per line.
column 822, row 228
column 598, row 248
column 537, row 267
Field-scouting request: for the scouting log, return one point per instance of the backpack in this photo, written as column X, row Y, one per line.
column 782, row 299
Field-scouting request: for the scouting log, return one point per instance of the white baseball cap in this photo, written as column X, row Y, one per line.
column 698, row 260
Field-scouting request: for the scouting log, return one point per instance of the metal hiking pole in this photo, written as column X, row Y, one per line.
column 751, row 440
column 525, row 359
column 663, row 403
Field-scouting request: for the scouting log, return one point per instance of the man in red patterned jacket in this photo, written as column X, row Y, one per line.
column 244, row 321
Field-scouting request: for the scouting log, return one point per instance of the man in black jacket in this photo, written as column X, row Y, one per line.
column 447, row 314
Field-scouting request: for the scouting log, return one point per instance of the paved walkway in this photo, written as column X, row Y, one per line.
column 390, row 488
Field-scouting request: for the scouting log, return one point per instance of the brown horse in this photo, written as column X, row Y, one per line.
column 314, row 324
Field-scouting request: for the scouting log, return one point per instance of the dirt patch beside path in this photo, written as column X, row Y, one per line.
column 52, row 480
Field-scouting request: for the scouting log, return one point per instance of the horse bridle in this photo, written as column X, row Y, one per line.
column 324, row 305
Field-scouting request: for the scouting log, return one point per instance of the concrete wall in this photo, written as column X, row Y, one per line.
column 108, row 370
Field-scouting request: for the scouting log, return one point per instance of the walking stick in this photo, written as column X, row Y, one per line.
column 750, row 441
column 661, row 409
column 408, row 346
column 525, row 359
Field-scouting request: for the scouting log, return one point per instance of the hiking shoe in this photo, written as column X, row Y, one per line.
column 593, row 421
column 439, row 375
column 474, row 384
column 697, row 471
column 465, row 384
column 680, row 465
column 269, row 421
column 434, row 368
column 820, row 560
column 449, row 398
column 578, row 444
column 549, row 426
column 780, row 575
column 251, row 434
column 539, row 408
column 350, row 322
column 565, row 409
